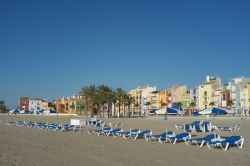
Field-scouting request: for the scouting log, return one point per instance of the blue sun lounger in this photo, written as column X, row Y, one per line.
column 203, row 140
column 179, row 137
column 224, row 143
column 143, row 134
column 160, row 137
column 227, row 128
column 100, row 132
column 67, row 127
column 114, row 132
column 129, row 134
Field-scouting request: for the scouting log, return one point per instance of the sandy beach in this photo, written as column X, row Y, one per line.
column 22, row 146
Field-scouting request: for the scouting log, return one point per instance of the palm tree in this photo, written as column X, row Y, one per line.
column 193, row 105
column 113, row 97
column 103, row 92
column 2, row 106
column 91, row 98
column 231, row 103
column 72, row 107
column 212, row 104
column 120, row 93
column 62, row 107
column 129, row 100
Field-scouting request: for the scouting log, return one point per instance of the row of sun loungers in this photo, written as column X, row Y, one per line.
column 227, row 128
column 42, row 125
column 211, row 140
column 199, row 126
column 196, row 126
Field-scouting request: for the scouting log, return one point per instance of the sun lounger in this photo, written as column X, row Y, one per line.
column 178, row 126
column 203, row 140
column 179, row 137
column 143, row 134
column 99, row 132
column 114, row 132
column 206, row 127
column 224, row 143
column 129, row 134
column 68, row 127
column 227, row 128
column 160, row 137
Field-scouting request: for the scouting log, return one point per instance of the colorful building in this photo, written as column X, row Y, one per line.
column 33, row 104
column 186, row 103
column 239, row 93
column 205, row 93
column 248, row 90
column 225, row 97
column 24, row 103
column 194, row 98
column 67, row 105
column 152, row 98
column 140, row 95
column 162, row 99
column 177, row 93
column 216, row 88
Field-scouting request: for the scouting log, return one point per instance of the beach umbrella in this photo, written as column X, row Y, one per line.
column 161, row 111
column 15, row 111
column 213, row 111
column 195, row 113
column 40, row 111
column 152, row 112
column 172, row 111
column 52, row 111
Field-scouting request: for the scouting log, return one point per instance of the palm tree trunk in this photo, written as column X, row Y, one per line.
column 119, row 111
column 129, row 110
column 108, row 108
column 114, row 112
column 103, row 110
column 124, row 107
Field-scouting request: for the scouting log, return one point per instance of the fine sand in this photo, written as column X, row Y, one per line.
column 22, row 146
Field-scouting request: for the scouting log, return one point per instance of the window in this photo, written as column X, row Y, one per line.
column 224, row 97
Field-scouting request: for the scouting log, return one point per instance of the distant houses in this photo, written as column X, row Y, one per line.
column 233, row 95
column 33, row 104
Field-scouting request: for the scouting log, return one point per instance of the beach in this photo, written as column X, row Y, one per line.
column 22, row 146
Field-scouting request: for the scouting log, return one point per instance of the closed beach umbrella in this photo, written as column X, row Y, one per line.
column 161, row 111
column 213, row 111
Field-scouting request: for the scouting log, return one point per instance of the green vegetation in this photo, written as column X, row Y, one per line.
column 103, row 101
column 3, row 107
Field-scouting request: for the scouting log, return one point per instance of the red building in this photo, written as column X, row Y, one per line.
column 225, row 99
column 24, row 103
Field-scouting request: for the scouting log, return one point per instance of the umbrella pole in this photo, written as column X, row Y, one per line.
column 166, row 124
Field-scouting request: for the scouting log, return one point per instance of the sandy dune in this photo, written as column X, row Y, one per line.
column 21, row 146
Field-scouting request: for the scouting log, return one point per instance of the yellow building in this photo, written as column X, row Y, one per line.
column 141, row 95
column 162, row 99
column 205, row 96
column 137, row 95
column 67, row 105
column 45, row 104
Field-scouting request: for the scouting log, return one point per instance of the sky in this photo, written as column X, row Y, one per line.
column 53, row 48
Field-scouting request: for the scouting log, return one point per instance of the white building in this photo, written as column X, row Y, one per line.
column 238, row 93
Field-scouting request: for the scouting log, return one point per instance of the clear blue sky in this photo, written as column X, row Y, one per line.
column 52, row 48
